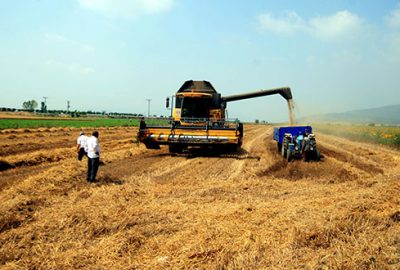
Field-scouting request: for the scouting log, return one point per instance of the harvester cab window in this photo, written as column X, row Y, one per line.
column 178, row 101
column 196, row 107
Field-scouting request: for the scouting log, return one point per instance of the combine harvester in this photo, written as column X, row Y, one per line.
column 199, row 119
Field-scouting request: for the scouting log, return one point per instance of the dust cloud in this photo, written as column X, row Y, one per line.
column 292, row 119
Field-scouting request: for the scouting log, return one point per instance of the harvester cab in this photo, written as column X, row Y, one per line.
column 197, row 102
column 198, row 118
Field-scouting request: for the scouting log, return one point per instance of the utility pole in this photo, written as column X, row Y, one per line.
column 68, row 101
column 44, row 109
column 148, row 106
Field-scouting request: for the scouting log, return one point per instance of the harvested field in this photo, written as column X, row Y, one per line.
column 151, row 210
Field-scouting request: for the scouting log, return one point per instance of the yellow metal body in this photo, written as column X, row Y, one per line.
column 196, row 121
column 192, row 136
column 214, row 114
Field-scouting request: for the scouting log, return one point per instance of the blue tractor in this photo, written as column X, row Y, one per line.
column 296, row 142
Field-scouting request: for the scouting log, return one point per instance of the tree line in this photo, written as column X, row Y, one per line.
column 32, row 105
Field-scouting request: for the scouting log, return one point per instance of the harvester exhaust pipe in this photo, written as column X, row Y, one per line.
column 283, row 91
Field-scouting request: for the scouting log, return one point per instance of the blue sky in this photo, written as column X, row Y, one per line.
column 113, row 55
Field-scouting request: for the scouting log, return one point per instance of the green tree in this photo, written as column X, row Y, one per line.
column 30, row 105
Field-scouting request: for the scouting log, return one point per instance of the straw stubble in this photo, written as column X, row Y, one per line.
column 151, row 210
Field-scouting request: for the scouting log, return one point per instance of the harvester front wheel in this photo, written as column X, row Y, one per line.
column 175, row 149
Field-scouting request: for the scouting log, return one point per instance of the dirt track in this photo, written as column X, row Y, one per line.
column 152, row 210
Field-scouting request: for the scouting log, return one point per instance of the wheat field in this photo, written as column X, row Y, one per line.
column 153, row 210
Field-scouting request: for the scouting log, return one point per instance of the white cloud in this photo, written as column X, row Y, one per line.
column 88, row 48
column 78, row 68
column 72, row 68
column 289, row 24
column 341, row 24
column 57, row 38
column 392, row 50
column 336, row 26
column 393, row 20
column 128, row 8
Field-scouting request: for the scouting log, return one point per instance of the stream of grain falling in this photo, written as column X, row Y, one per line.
column 292, row 120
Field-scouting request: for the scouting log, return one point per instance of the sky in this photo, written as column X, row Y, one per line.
column 113, row 55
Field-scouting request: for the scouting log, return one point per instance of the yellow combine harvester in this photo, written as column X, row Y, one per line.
column 199, row 119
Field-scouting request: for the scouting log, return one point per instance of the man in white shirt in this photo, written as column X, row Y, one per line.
column 93, row 154
column 81, row 145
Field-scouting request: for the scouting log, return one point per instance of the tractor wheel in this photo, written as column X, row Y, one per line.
column 306, row 156
column 317, row 155
column 279, row 147
column 284, row 148
column 289, row 155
